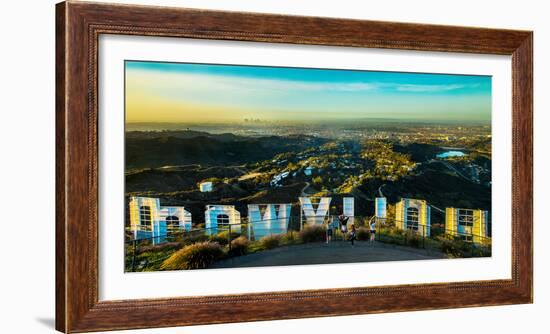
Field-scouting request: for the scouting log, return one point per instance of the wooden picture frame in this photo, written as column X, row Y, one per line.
column 78, row 26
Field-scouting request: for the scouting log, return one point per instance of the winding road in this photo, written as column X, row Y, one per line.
column 303, row 193
column 380, row 190
column 449, row 166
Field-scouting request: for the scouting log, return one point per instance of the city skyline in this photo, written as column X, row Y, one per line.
column 203, row 93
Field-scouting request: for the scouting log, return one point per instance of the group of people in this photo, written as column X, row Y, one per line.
column 342, row 223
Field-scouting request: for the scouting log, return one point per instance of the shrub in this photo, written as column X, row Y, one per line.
column 396, row 233
column 391, row 235
column 363, row 233
column 195, row 238
column 220, row 238
column 448, row 248
column 166, row 246
column 270, row 241
column 223, row 237
column 361, row 221
column 314, row 233
column 482, row 251
column 393, row 232
column 255, row 246
column 195, row 256
column 289, row 238
column 454, row 247
column 413, row 238
column 239, row 246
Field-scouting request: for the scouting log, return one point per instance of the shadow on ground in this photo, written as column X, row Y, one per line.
column 48, row 322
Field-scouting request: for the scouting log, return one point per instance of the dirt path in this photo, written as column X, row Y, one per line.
column 380, row 193
column 303, row 193
column 249, row 176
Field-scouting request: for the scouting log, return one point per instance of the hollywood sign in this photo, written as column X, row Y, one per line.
column 149, row 219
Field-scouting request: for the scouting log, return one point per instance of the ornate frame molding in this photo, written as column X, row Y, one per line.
column 78, row 27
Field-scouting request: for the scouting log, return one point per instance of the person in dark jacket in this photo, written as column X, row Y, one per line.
column 352, row 234
column 343, row 225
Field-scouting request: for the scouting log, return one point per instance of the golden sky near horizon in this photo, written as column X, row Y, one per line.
column 190, row 93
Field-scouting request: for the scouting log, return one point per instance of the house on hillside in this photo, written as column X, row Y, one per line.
column 278, row 178
column 206, row 186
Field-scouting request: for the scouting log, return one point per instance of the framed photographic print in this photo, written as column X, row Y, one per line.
column 256, row 167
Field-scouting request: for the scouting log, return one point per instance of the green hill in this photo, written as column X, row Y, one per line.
column 170, row 148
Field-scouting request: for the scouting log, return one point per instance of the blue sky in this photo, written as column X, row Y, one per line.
column 201, row 92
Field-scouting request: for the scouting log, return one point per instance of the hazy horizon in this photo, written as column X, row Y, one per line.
column 351, row 122
column 208, row 94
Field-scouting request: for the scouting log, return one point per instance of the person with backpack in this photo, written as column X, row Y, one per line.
column 352, row 234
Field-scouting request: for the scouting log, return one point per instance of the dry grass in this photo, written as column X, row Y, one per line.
column 314, row 233
column 239, row 246
column 363, row 234
column 270, row 241
column 196, row 256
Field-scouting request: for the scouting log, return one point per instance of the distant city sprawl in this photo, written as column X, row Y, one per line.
column 253, row 179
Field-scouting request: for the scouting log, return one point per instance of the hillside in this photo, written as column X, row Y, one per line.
column 170, row 148
column 175, row 179
column 438, row 186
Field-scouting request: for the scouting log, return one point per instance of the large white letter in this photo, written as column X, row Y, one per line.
column 317, row 214
column 274, row 220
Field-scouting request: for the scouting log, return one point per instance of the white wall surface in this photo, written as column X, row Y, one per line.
column 27, row 69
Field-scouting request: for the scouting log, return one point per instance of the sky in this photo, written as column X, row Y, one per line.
column 205, row 93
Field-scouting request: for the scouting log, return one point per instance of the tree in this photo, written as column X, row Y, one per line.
column 317, row 180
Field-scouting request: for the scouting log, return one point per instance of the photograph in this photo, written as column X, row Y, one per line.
column 233, row 166
column 275, row 166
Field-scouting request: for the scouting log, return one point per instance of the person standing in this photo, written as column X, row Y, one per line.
column 352, row 234
column 372, row 232
column 330, row 227
column 343, row 225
